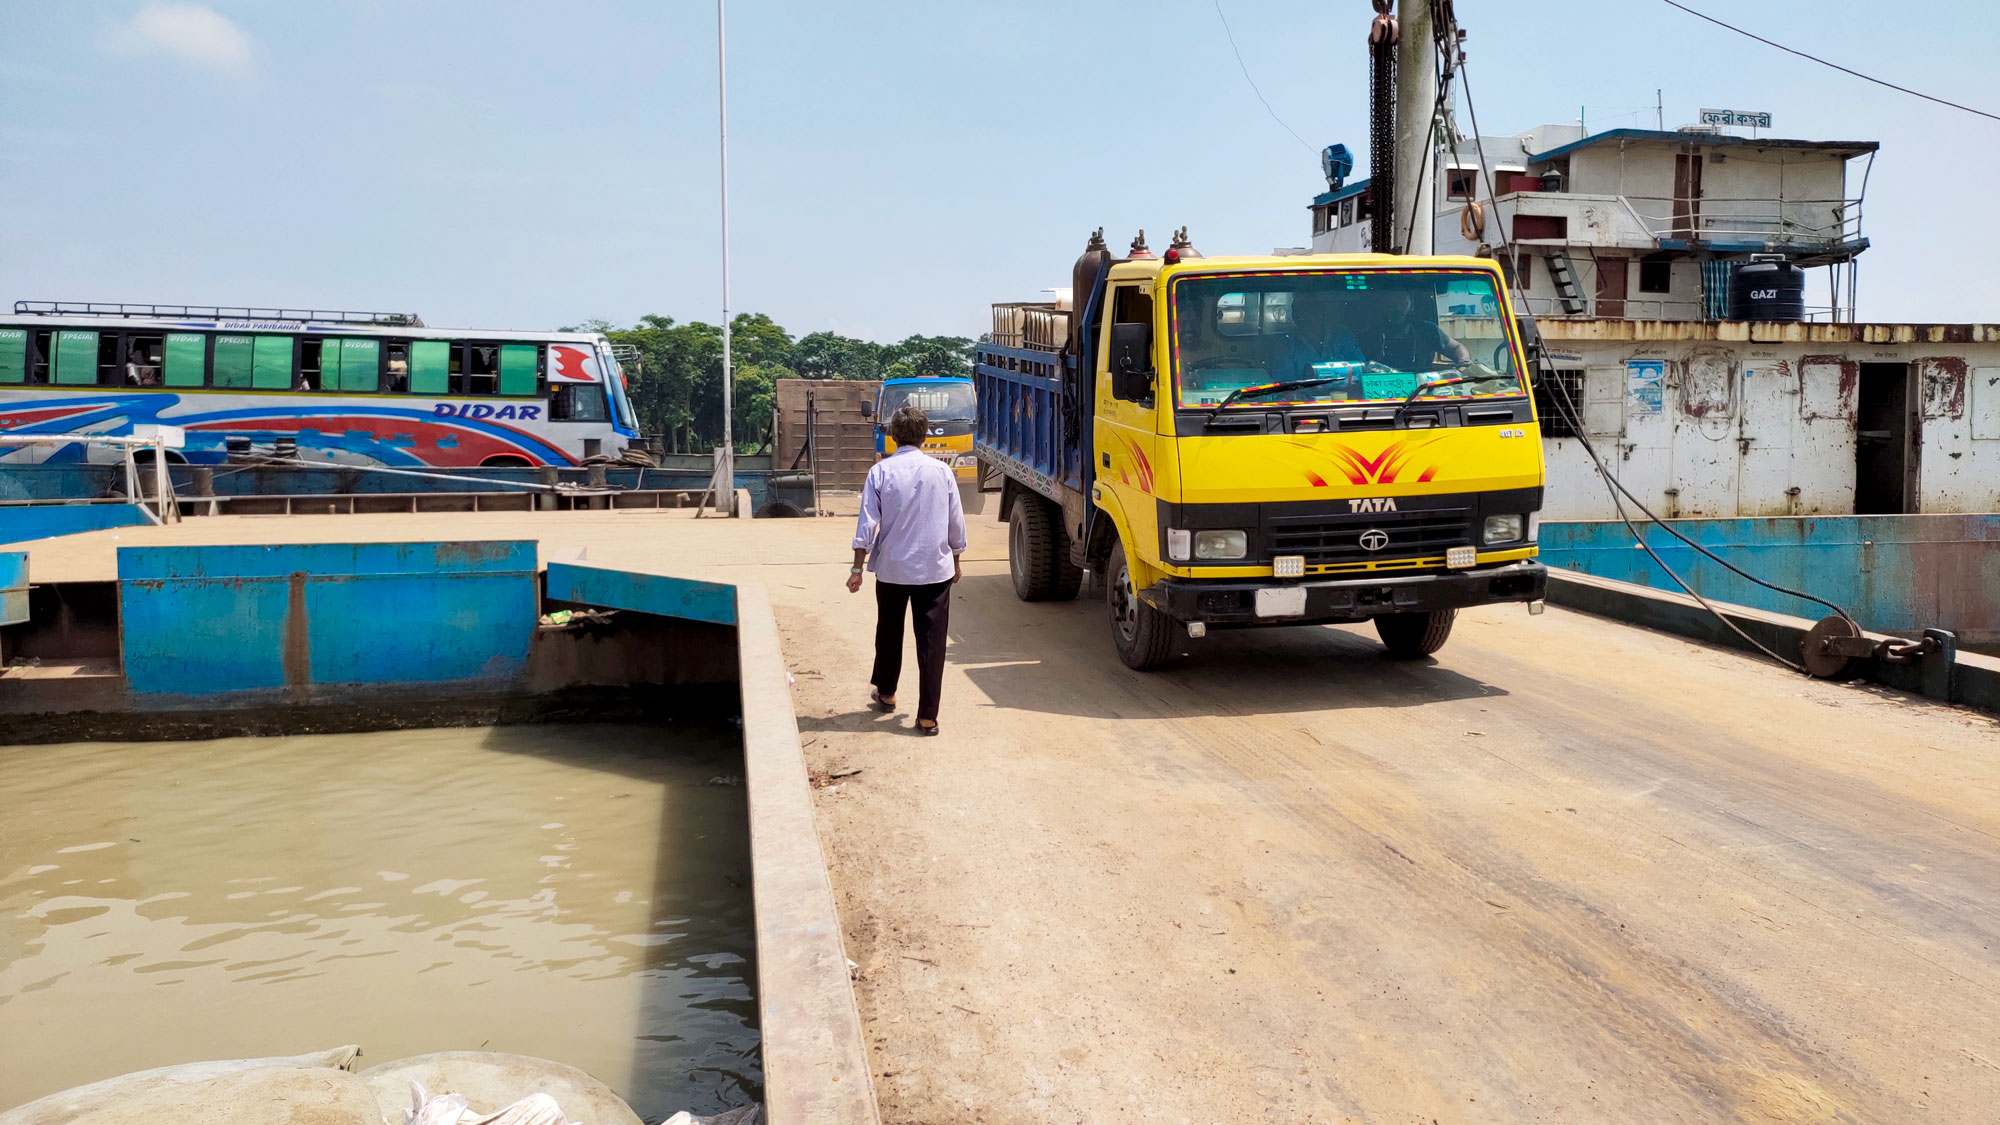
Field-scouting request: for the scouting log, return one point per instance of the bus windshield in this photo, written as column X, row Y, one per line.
column 945, row 401
column 1346, row 336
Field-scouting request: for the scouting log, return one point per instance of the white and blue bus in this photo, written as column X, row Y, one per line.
column 344, row 388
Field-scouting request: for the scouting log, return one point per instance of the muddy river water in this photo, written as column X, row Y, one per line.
column 579, row 893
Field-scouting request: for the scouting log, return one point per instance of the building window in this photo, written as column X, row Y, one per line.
column 1461, row 183
column 1656, row 275
column 1559, row 402
column 1347, row 211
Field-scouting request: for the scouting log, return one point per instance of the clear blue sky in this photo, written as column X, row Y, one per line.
column 896, row 166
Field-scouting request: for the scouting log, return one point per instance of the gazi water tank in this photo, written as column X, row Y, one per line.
column 1769, row 290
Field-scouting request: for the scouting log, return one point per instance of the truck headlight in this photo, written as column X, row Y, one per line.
column 1502, row 529
column 1220, row 544
column 964, row 461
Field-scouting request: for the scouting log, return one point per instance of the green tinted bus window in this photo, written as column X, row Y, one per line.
column 517, row 369
column 329, row 365
column 430, row 367
column 272, row 367
column 13, row 355
column 187, row 354
column 232, row 361
column 76, row 357
column 360, row 364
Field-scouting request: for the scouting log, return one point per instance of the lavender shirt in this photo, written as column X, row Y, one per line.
column 911, row 522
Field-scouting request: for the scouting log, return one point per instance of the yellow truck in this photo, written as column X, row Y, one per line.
column 1259, row 441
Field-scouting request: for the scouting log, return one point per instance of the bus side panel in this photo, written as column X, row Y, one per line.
column 353, row 430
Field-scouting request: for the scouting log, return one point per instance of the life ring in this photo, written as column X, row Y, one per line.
column 1472, row 222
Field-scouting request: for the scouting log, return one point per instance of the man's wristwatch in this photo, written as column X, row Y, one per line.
column 854, row 570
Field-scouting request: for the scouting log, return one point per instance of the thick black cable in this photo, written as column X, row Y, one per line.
column 1823, row 62
column 1567, row 407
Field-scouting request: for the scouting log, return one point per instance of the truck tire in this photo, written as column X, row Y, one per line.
column 1031, row 549
column 1412, row 636
column 1145, row 637
column 1038, row 553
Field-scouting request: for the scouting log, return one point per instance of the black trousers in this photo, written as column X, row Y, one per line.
column 930, row 613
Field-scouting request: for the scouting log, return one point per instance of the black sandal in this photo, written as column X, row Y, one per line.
column 927, row 730
column 884, row 705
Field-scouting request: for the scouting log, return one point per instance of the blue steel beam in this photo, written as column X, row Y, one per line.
column 658, row 594
column 1898, row 574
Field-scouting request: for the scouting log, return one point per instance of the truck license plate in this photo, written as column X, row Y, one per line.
column 1283, row 601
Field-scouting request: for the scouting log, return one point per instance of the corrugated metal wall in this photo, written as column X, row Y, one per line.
column 846, row 436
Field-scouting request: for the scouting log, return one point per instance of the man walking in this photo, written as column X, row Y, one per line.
column 910, row 533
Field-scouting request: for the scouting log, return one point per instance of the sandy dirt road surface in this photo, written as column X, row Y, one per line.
column 1566, row 871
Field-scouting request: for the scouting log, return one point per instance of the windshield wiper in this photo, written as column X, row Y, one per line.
column 1396, row 419
column 1268, row 389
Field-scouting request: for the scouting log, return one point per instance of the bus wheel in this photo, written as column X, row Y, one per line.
column 1412, row 636
column 1144, row 636
column 504, row 463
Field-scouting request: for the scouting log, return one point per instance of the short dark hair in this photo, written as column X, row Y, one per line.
column 908, row 425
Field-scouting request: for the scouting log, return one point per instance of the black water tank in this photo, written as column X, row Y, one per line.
column 1767, row 291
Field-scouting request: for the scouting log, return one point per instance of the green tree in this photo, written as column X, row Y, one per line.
column 829, row 355
column 928, row 355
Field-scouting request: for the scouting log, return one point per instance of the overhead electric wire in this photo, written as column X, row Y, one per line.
column 1253, row 82
column 1824, row 62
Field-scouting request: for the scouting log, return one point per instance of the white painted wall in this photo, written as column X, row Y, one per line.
column 1749, row 429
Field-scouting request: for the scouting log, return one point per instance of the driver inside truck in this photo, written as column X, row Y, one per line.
column 1407, row 340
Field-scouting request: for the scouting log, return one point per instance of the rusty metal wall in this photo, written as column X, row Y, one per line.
column 1730, row 419
column 846, row 436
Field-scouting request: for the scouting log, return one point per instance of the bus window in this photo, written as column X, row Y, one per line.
column 143, row 356
column 396, row 366
column 313, row 356
column 271, row 363
column 578, row 402
column 40, row 356
column 13, row 355
column 520, row 368
column 350, row 365
column 430, row 367
column 481, row 369
column 232, row 360
column 76, row 357
column 186, row 358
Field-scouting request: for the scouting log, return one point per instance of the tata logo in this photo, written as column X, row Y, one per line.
column 1372, row 504
column 1374, row 539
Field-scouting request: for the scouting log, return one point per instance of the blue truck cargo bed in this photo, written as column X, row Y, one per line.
column 1021, row 430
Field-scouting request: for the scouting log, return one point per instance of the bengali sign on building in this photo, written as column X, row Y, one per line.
column 1755, row 119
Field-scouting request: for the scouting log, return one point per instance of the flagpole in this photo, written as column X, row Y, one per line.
column 726, row 499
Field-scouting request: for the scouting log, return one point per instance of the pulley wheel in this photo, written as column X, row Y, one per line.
column 1813, row 651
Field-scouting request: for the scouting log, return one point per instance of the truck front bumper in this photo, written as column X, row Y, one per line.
column 1234, row 603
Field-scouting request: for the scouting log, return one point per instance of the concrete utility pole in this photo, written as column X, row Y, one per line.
column 1416, row 110
column 725, row 496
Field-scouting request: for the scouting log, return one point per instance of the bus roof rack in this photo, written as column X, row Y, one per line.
column 215, row 312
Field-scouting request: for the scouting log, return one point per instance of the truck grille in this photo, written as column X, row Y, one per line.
column 1337, row 539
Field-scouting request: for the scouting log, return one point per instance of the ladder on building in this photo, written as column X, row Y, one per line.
column 1562, row 272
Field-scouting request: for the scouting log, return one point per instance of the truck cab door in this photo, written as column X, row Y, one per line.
column 1126, row 427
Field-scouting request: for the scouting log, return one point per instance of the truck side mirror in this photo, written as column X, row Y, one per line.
column 868, row 410
column 1132, row 361
column 1535, row 353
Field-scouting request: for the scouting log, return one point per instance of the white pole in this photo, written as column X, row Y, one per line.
column 726, row 497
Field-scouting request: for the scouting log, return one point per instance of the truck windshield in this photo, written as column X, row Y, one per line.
column 947, row 401
column 1358, row 336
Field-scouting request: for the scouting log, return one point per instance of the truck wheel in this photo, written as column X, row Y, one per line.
column 1411, row 636
column 1031, row 549
column 1145, row 637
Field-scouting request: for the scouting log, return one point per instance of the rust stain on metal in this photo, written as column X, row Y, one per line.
column 297, row 655
column 1847, row 376
column 1708, row 383
column 1942, row 386
column 1737, row 331
column 469, row 551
